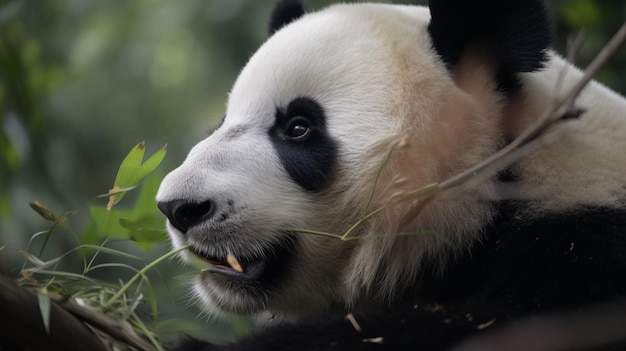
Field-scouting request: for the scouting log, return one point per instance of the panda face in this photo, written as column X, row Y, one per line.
column 308, row 126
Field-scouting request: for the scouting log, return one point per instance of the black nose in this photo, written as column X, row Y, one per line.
column 184, row 215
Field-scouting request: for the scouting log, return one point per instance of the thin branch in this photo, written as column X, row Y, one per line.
column 117, row 330
column 562, row 108
column 142, row 272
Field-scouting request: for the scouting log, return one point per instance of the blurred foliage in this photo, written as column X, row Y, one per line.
column 143, row 224
column 599, row 19
column 129, row 290
column 119, row 301
column 82, row 80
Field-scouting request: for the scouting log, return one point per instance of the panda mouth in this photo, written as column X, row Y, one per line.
column 265, row 267
column 231, row 266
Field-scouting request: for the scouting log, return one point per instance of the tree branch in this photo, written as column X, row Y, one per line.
column 117, row 330
column 21, row 324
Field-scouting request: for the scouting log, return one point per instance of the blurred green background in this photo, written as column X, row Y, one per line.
column 82, row 81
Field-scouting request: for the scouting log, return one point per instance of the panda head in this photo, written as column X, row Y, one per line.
column 337, row 113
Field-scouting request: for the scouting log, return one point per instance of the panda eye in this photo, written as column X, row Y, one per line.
column 298, row 128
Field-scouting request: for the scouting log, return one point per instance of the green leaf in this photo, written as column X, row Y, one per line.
column 150, row 165
column 91, row 234
column 148, row 237
column 143, row 246
column 133, row 170
column 146, row 205
column 153, row 223
column 108, row 222
column 129, row 166
column 126, row 173
column 44, row 308
column 147, row 229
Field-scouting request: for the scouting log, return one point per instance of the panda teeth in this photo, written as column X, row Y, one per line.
column 234, row 263
column 219, row 263
column 228, row 265
column 231, row 266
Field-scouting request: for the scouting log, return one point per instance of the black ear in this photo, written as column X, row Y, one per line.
column 284, row 13
column 517, row 31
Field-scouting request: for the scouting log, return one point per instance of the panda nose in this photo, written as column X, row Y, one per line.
column 183, row 214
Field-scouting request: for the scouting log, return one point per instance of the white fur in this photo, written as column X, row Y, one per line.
column 589, row 166
column 372, row 69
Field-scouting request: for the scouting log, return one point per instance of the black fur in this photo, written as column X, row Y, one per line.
column 518, row 33
column 285, row 12
column 309, row 161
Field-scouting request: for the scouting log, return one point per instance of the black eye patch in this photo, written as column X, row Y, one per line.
column 306, row 150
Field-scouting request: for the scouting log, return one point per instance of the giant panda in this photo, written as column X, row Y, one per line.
column 337, row 118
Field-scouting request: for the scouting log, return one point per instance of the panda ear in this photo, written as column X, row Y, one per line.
column 285, row 12
column 517, row 33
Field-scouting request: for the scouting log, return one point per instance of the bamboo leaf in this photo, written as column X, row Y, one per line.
column 152, row 223
column 32, row 259
column 147, row 230
column 39, row 264
column 145, row 204
column 44, row 308
column 108, row 222
column 148, row 237
column 110, row 251
column 133, row 170
column 129, row 166
column 67, row 275
column 150, row 165
column 126, row 173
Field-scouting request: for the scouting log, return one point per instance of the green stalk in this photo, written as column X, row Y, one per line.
column 142, row 272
